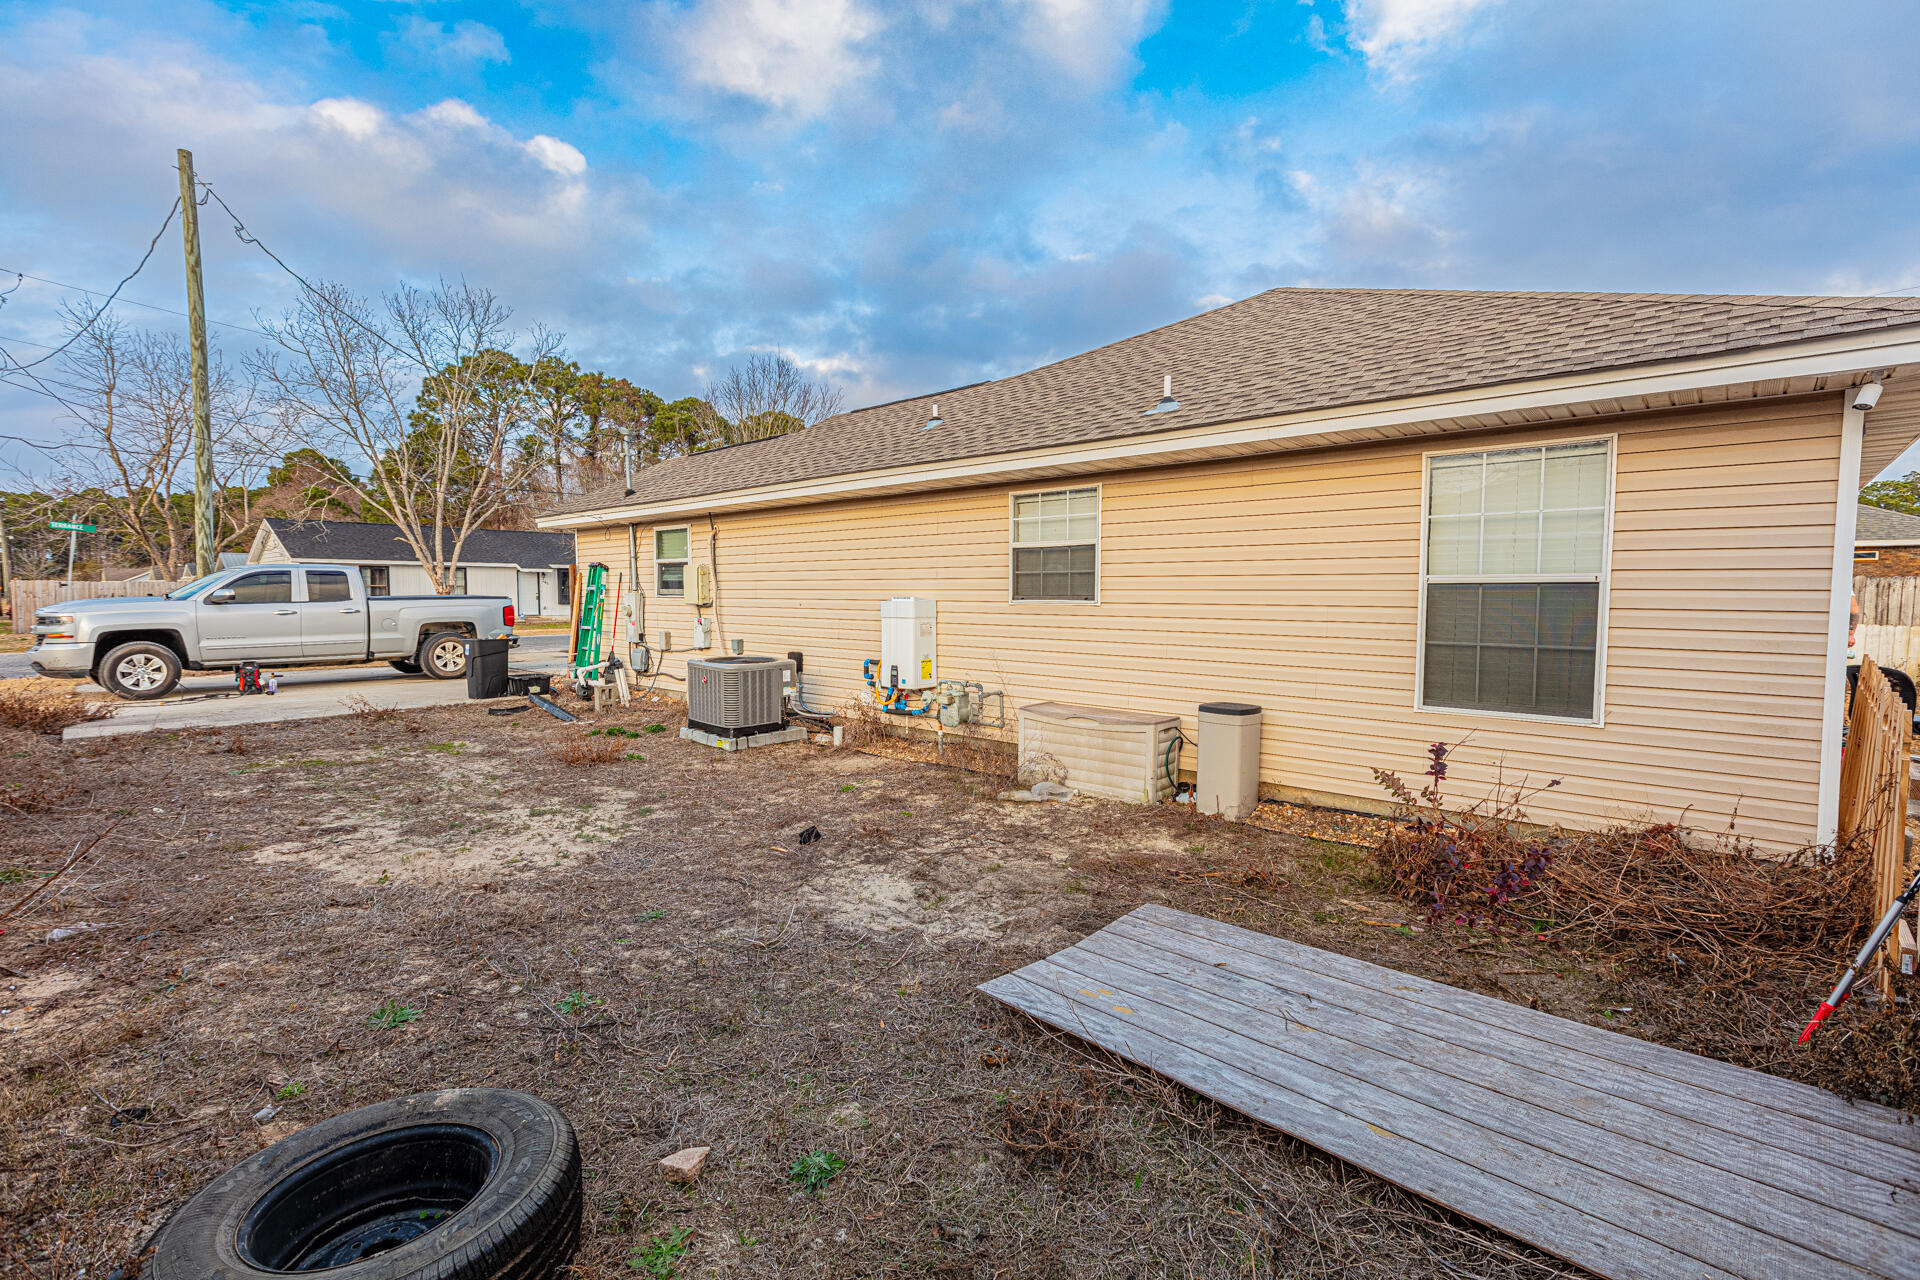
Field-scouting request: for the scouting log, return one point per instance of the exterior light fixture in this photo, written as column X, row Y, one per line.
column 933, row 419
column 1167, row 403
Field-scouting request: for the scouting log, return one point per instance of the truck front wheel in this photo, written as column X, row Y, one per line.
column 443, row 655
column 140, row 671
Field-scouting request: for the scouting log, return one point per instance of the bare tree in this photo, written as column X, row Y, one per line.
column 770, row 395
column 131, row 394
column 420, row 389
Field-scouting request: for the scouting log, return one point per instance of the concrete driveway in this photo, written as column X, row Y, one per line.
column 208, row 701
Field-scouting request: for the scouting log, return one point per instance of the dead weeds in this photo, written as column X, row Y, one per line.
column 47, row 706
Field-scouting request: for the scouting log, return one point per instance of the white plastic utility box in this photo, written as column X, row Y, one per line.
column 1123, row 755
column 909, row 657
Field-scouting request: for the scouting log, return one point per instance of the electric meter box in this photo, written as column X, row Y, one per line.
column 908, row 657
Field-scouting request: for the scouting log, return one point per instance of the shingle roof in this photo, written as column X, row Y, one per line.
column 353, row 541
column 1283, row 351
column 1877, row 524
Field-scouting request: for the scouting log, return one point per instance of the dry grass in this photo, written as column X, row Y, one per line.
column 363, row 712
column 46, row 706
column 579, row 753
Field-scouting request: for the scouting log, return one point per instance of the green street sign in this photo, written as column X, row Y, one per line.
column 72, row 526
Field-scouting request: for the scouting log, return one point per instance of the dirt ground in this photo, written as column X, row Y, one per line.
column 320, row 915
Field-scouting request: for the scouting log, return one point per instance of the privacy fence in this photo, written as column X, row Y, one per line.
column 1890, row 621
column 28, row 594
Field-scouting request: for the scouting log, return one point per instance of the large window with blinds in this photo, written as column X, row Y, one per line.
column 1516, row 556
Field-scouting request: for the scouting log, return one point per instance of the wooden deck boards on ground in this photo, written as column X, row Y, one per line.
column 1626, row 1157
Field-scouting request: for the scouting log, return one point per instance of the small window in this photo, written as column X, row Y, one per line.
column 460, row 581
column 374, row 576
column 1865, row 555
column 1515, row 552
column 563, row 578
column 670, row 561
column 275, row 587
column 1056, row 545
column 327, row 586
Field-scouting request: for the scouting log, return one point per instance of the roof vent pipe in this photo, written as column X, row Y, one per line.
column 1167, row 403
column 933, row 419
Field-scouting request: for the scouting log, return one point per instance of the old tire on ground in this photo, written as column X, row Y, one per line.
column 140, row 671
column 462, row 1184
column 406, row 666
column 443, row 655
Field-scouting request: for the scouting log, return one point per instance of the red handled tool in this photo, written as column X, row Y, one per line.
column 1880, row 932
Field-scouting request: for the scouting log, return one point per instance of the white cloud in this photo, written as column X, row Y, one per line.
column 456, row 114
column 350, row 116
column 1395, row 34
column 794, row 56
column 557, row 156
column 1090, row 39
column 465, row 41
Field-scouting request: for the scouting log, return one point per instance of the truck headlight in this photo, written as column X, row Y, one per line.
column 53, row 626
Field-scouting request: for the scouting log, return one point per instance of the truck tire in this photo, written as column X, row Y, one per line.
column 459, row 1184
column 443, row 655
column 406, row 666
column 140, row 671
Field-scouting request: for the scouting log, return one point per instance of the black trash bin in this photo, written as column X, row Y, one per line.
column 487, row 668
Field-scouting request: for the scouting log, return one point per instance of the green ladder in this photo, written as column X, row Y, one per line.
column 586, row 641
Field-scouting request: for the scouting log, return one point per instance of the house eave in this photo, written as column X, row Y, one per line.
column 1791, row 369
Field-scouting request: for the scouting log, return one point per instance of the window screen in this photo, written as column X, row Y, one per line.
column 325, row 586
column 1516, row 541
column 275, row 587
column 1056, row 545
column 670, row 561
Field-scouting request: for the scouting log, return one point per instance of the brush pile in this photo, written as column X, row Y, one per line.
column 1655, row 888
column 1662, row 887
column 46, row 706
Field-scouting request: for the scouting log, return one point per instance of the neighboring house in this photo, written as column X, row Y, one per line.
column 529, row 568
column 1603, row 541
column 1886, row 544
column 233, row 559
column 126, row 573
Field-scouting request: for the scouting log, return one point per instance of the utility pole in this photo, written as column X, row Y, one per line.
column 203, row 529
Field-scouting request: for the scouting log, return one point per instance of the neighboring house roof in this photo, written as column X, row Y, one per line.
column 355, row 542
column 122, row 573
column 233, row 559
column 1283, row 351
column 1879, row 525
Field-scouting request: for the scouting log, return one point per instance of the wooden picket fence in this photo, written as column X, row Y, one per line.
column 1875, row 784
column 28, row 594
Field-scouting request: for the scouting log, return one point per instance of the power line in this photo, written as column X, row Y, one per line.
column 247, row 237
column 126, row 302
column 95, row 317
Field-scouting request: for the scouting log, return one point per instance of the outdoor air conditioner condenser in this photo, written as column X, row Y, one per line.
column 735, row 697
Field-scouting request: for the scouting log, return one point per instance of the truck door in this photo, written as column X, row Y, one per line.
column 332, row 623
column 254, row 620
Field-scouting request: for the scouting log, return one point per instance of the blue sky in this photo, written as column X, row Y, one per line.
column 905, row 197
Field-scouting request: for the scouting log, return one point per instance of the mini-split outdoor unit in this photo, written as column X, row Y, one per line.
column 735, row 697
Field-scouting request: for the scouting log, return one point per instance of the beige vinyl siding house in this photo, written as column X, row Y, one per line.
column 1690, row 547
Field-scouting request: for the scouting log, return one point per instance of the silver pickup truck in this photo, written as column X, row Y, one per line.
column 277, row 615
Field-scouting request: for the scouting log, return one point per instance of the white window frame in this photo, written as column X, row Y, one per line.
column 1604, row 578
column 1100, row 526
column 685, row 563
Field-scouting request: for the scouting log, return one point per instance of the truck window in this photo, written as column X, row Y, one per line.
column 274, row 587
column 327, row 585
